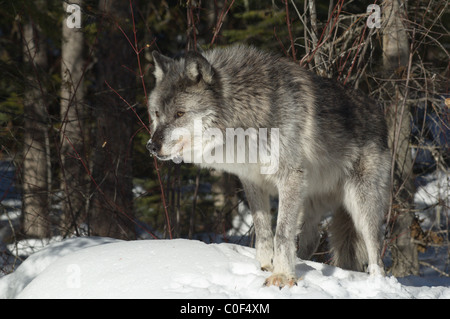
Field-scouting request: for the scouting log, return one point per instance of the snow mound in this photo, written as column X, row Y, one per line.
column 108, row 268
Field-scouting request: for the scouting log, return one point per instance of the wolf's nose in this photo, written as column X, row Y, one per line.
column 152, row 147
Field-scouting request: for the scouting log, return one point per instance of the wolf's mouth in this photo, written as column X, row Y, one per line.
column 161, row 157
column 175, row 158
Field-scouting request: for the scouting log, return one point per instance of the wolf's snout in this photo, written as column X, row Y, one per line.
column 153, row 147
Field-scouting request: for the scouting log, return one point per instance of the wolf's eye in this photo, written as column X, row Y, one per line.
column 157, row 114
column 179, row 114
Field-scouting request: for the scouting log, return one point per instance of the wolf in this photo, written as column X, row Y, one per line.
column 331, row 150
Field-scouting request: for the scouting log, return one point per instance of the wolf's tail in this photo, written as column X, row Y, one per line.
column 348, row 247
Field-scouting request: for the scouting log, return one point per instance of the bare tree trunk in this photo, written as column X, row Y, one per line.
column 111, row 211
column 314, row 34
column 396, row 60
column 73, row 181
column 35, row 221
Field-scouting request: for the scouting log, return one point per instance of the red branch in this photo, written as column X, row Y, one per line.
column 219, row 23
column 288, row 22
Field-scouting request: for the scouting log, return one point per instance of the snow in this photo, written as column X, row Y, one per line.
column 108, row 268
column 427, row 197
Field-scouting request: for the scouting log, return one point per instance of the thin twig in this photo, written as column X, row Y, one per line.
column 443, row 273
column 219, row 23
column 288, row 22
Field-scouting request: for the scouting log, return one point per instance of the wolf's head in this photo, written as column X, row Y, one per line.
column 186, row 92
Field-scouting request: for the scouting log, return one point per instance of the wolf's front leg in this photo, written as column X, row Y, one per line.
column 259, row 203
column 290, row 205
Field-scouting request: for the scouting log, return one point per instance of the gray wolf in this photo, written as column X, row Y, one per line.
column 331, row 150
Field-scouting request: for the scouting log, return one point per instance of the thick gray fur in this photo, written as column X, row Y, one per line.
column 333, row 154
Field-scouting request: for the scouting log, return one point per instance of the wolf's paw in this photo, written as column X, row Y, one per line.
column 375, row 270
column 281, row 280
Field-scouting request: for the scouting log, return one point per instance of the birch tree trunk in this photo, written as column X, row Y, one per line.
column 36, row 174
column 73, row 179
column 396, row 60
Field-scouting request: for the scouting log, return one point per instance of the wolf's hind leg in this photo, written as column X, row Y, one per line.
column 259, row 202
column 365, row 200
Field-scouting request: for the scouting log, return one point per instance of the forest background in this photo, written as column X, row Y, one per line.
column 74, row 82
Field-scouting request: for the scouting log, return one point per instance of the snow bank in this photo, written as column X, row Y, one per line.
column 432, row 198
column 11, row 285
column 107, row 268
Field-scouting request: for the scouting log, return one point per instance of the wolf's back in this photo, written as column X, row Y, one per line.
column 261, row 89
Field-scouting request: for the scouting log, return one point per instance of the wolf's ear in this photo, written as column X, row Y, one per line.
column 197, row 68
column 161, row 65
